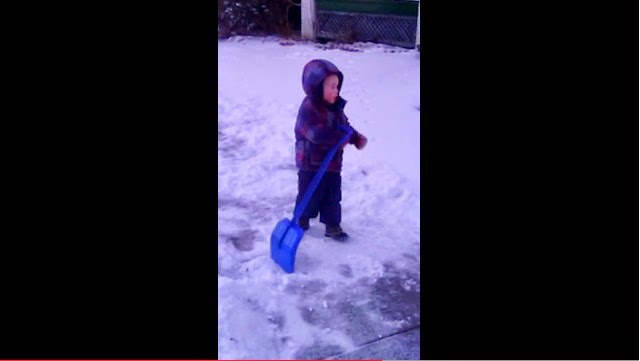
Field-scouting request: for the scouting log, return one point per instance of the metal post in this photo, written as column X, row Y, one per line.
column 308, row 19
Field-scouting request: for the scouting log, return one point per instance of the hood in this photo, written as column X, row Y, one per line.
column 315, row 72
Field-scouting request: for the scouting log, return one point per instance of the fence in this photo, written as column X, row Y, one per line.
column 392, row 22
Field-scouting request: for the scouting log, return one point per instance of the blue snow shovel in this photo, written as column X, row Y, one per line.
column 287, row 234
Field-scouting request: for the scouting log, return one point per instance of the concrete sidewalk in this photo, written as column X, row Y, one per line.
column 404, row 345
column 382, row 317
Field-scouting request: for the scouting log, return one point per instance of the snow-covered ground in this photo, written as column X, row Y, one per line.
column 358, row 299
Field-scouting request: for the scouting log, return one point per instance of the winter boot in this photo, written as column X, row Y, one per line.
column 336, row 233
column 304, row 223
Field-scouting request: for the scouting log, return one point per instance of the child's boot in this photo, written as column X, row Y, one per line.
column 304, row 223
column 336, row 233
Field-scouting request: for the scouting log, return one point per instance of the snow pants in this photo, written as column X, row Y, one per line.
column 326, row 198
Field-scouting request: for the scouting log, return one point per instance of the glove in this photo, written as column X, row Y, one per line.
column 362, row 142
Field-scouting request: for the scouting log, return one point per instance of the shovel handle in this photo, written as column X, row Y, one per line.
column 323, row 168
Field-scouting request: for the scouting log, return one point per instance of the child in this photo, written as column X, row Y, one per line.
column 317, row 131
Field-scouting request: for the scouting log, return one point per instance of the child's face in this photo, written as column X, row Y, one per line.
column 330, row 89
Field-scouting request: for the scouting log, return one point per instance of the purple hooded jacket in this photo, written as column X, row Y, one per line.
column 317, row 126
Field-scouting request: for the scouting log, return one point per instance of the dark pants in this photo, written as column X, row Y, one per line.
column 326, row 198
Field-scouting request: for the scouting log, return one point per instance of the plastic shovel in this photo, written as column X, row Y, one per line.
column 287, row 234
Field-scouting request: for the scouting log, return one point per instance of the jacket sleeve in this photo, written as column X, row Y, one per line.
column 312, row 126
column 355, row 137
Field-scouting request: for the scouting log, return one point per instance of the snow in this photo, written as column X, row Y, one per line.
column 342, row 295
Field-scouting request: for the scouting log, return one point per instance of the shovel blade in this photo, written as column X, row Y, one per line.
column 284, row 243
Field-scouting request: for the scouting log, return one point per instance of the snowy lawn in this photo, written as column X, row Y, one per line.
column 348, row 299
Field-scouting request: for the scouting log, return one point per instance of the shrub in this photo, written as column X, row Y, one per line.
column 253, row 17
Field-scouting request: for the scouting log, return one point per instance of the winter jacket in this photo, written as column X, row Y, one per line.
column 317, row 127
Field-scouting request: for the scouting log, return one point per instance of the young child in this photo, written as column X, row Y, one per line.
column 317, row 131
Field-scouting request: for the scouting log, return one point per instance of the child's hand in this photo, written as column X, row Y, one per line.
column 362, row 142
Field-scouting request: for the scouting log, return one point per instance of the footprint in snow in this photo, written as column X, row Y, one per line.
column 243, row 241
column 345, row 270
